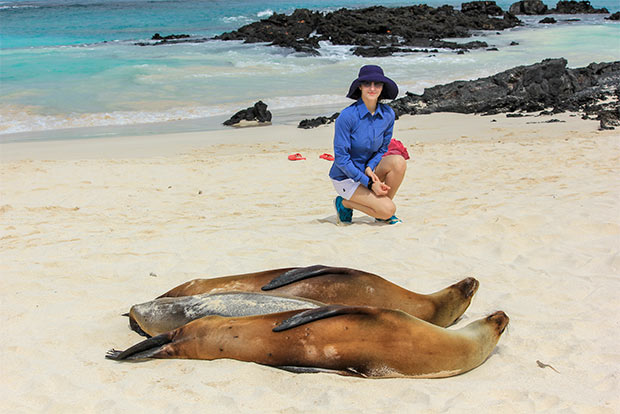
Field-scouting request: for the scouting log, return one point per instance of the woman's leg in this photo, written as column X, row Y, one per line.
column 367, row 202
column 391, row 170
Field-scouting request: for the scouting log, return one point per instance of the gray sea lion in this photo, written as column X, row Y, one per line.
column 343, row 286
column 349, row 340
column 165, row 314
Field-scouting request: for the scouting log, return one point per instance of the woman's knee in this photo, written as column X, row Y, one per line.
column 386, row 209
column 399, row 165
column 392, row 164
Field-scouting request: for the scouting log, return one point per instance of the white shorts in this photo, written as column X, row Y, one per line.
column 346, row 188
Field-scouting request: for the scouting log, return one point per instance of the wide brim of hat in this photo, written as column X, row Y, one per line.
column 390, row 89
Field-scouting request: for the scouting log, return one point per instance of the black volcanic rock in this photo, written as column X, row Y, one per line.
column 548, row 20
column 257, row 114
column 387, row 51
column 377, row 51
column 576, row 7
column 157, row 36
column 615, row 16
column 548, row 84
column 548, row 87
column 536, row 7
column 315, row 122
column 528, row 7
column 171, row 39
column 482, row 7
column 381, row 30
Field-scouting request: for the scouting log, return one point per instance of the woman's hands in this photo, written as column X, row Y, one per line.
column 378, row 187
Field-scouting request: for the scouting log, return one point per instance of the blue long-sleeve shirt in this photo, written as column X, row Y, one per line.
column 360, row 140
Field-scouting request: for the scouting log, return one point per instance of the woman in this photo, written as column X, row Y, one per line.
column 364, row 179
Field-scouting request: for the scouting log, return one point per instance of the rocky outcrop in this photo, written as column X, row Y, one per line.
column 615, row 16
column 373, row 51
column 576, row 7
column 528, row 7
column 482, row 7
column 387, row 51
column 536, row 7
column 158, row 39
column 380, row 29
column 548, row 85
column 157, row 36
column 256, row 115
column 315, row 122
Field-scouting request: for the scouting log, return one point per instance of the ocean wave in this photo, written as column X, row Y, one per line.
column 288, row 102
column 17, row 119
column 264, row 13
column 20, row 6
column 236, row 19
column 14, row 120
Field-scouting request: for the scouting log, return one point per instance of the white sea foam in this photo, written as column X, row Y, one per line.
column 264, row 13
column 21, row 6
column 16, row 119
column 236, row 19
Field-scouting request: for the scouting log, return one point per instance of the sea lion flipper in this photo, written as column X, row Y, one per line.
column 301, row 273
column 312, row 315
column 141, row 350
column 316, row 370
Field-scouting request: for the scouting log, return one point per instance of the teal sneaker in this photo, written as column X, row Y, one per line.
column 391, row 220
column 343, row 214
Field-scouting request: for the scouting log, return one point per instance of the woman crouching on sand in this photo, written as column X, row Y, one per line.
column 364, row 178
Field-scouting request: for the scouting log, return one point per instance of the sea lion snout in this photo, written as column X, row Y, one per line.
column 468, row 287
column 500, row 319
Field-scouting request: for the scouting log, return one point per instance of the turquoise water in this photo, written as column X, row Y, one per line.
column 71, row 64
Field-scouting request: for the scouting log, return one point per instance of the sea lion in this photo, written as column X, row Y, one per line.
column 165, row 314
column 348, row 340
column 343, row 286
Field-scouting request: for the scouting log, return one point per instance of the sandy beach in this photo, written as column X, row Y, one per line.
column 529, row 208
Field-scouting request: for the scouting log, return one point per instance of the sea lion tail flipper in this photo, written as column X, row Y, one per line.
column 300, row 273
column 323, row 312
column 141, row 350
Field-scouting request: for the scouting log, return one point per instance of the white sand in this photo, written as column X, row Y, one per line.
column 91, row 227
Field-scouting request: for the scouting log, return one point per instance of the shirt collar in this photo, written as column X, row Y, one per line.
column 362, row 111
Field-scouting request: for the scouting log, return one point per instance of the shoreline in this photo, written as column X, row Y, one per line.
column 472, row 100
column 436, row 127
column 282, row 116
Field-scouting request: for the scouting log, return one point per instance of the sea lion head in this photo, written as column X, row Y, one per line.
column 498, row 320
column 451, row 302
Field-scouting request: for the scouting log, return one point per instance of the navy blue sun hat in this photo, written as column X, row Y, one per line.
column 373, row 73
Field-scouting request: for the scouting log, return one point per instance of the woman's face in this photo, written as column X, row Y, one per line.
column 371, row 90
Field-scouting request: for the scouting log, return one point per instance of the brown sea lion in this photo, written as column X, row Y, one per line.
column 343, row 286
column 349, row 340
column 165, row 314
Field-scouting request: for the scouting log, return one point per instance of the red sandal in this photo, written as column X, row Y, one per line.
column 296, row 157
column 327, row 157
